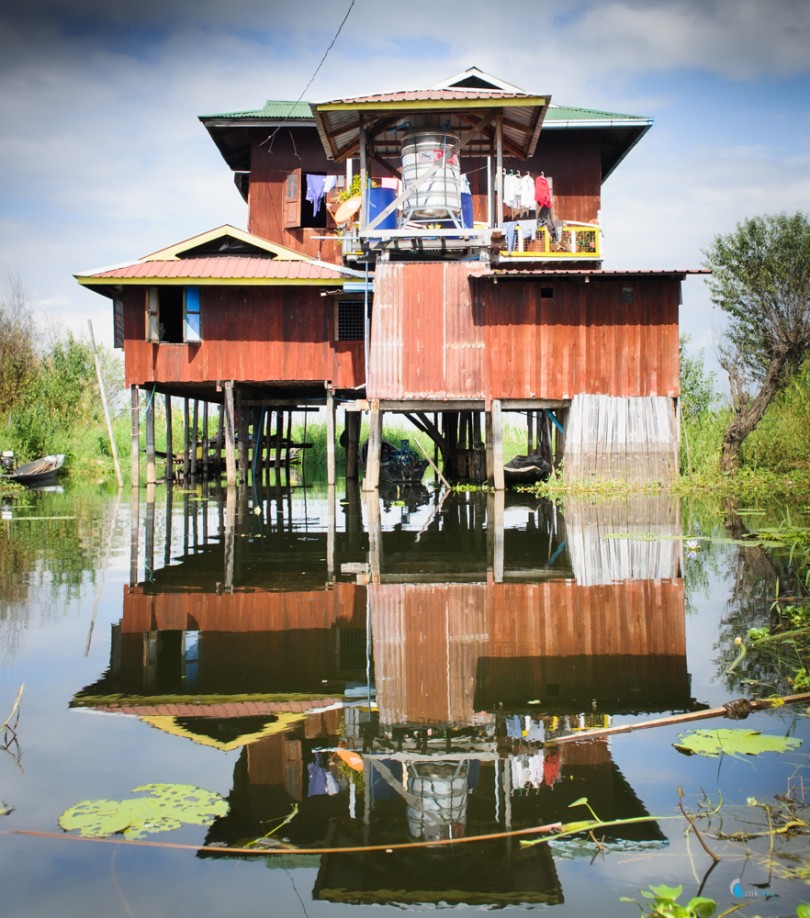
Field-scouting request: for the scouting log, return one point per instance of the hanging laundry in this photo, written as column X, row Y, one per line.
column 318, row 186
column 527, row 191
column 542, row 191
column 511, row 190
column 318, row 776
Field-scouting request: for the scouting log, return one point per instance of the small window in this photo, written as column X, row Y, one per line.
column 628, row 295
column 304, row 200
column 350, row 322
column 191, row 323
column 173, row 315
column 547, row 293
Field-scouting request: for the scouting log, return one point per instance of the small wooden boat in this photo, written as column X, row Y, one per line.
column 526, row 470
column 40, row 471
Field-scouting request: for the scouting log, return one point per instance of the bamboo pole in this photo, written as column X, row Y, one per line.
column 756, row 704
column 167, row 401
column 113, row 447
column 433, row 465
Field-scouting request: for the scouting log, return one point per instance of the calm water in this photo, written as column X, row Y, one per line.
column 237, row 645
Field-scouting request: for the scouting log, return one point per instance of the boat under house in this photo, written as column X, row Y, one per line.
column 434, row 254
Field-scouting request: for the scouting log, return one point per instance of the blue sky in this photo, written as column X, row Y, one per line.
column 102, row 158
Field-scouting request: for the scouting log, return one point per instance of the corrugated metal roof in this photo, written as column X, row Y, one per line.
column 525, row 271
column 219, row 268
column 567, row 113
column 273, row 109
column 423, row 95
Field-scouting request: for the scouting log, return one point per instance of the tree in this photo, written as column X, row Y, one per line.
column 697, row 384
column 761, row 279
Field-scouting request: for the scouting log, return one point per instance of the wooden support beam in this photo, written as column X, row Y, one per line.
column 230, row 434
column 353, row 420
column 186, row 437
column 135, row 429
column 371, row 481
column 495, row 474
column 330, row 436
column 167, row 404
column 151, row 470
column 205, row 453
column 195, row 416
column 243, row 442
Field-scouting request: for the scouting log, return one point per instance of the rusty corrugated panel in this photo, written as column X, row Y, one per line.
column 583, row 338
column 427, row 336
column 386, row 347
column 417, row 95
column 427, row 641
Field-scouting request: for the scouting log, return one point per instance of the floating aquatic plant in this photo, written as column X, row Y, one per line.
column 167, row 806
column 732, row 742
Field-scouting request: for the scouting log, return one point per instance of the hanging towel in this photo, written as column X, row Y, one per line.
column 318, row 186
column 542, row 191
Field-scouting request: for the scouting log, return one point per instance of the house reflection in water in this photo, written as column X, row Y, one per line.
column 447, row 644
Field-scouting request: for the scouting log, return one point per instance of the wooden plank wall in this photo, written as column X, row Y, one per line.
column 270, row 163
column 598, row 557
column 243, row 610
column 249, row 334
column 623, row 439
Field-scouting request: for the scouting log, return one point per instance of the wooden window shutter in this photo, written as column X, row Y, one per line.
column 152, row 315
column 192, row 333
column 291, row 216
column 118, row 323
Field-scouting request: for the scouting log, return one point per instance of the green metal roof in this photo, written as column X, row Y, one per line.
column 272, row 109
column 279, row 109
column 568, row 114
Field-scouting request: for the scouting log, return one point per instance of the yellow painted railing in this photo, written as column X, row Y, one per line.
column 576, row 240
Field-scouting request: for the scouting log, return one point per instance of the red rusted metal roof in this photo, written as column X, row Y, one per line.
column 421, row 95
column 218, row 710
column 216, row 269
column 522, row 114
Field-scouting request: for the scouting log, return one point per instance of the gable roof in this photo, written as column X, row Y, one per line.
column 618, row 133
column 224, row 256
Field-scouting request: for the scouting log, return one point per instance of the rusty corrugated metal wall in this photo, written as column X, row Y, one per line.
column 433, row 641
column 438, row 333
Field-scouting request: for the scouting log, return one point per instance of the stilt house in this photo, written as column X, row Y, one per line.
column 434, row 253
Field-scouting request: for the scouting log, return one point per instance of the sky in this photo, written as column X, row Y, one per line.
column 103, row 158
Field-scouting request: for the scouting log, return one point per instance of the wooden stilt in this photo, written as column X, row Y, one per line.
column 149, row 532
column 229, row 423
column 205, row 453
column 371, row 481
column 220, row 438
column 243, row 438
column 151, row 470
column 186, row 435
column 374, row 534
column 135, row 457
column 167, row 402
column 352, row 445
column 230, row 531
column 495, row 446
column 289, row 440
column 134, row 531
column 529, row 432
column 195, row 414
column 330, row 436
column 495, row 508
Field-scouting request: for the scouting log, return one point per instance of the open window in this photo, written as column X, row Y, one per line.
column 173, row 315
column 299, row 208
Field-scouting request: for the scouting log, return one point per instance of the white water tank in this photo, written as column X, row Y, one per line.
column 440, row 197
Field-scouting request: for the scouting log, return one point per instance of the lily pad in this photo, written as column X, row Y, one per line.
column 167, row 806
column 733, row 742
